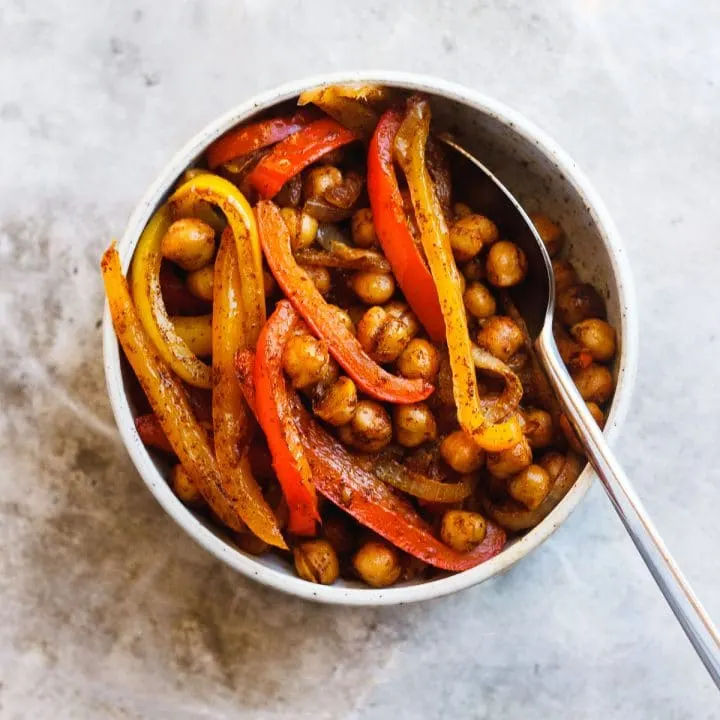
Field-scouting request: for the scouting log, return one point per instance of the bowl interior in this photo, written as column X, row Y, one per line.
column 542, row 178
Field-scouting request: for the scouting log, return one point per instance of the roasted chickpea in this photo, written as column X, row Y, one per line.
column 597, row 336
column 320, row 277
column 479, row 300
column 419, row 359
column 469, row 234
column 506, row 264
column 530, row 486
column 316, row 561
column 269, row 284
column 501, row 336
column 377, row 563
column 201, row 282
column 344, row 318
column 462, row 530
column 595, row 383
column 305, row 360
column 183, row 486
column 370, row 429
column 508, row 462
column 363, row 229
column 569, row 432
column 371, row 287
column 553, row 462
column 579, row 302
column 461, row 210
column 338, row 403
column 564, row 273
column 251, row 543
column 414, row 424
column 321, row 179
column 474, row 271
column 550, row 233
column 301, row 226
column 461, row 452
column 189, row 242
column 538, row 427
column 384, row 332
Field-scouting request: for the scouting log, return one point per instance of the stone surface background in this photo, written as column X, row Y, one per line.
column 107, row 609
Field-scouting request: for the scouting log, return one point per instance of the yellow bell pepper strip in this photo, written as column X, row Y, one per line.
column 310, row 304
column 348, row 111
column 196, row 331
column 232, row 203
column 190, row 207
column 410, row 143
column 168, row 399
column 231, row 422
column 147, row 295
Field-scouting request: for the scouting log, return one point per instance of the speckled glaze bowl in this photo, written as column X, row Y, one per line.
column 541, row 176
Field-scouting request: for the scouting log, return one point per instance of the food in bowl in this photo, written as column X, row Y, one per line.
column 328, row 344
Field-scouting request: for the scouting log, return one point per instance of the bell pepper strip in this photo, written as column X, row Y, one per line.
column 393, row 231
column 509, row 399
column 296, row 152
column 232, row 428
column 232, row 203
column 419, row 485
column 341, row 479
column 196, row 331
column 350, row 112
column 190, row 207
column 151, row 433
column 275, row 416
column 147, row 295
column 410, row 143
column 322, row 318
column 248, row 139
column 168, row 399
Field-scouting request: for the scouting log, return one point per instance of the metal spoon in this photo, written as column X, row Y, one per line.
column 535, row 299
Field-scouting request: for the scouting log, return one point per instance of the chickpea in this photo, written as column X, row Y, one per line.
column 385, row 332
column 344, row 318
column 474, row 271
column 479, row 300
column 316, row 561
column 320, row 277
column 184, row 487
column 538, row 427
column 461, row 210
column 530, row 486
column 597, row 336
column 201, row 282
column 469, row 234
column 337, row 405
column 301, row 226
column 419, row 359
column 508, row 462
column 377, row 563
column 372, row 288
column 461, row 452
column 564, row 273
column 550, row 233
column 251, row 543
column 579, row 302
column 269, row 284
column 189, row 242
column 569, row 432
column 370, row 429
column 553, row 462
column 501, row 336
column 414, row 424
column 363, row 229
column 595, row 383
column 463, row 530
column 321, row 179
column 305, row 360
column 506, row 264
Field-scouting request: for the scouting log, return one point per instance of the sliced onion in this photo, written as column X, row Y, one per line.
column 420, row 486
column 502, row 405
column 324, row 212
column 344, row 258
column 347, row 193
column 439, row 169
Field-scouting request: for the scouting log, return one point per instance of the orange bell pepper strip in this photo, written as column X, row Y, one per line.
column 338, row 476
column 410, row 143
column 274, row 414
column 310, row 304
column 232, row 430
column 247, row 139
column 151, row 433
column 168, row 399
column 296, row 152
column 393, row 230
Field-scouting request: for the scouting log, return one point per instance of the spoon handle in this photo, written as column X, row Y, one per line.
column 677, row 591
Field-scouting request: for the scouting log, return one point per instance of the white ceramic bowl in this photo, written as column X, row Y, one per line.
column 540, row 175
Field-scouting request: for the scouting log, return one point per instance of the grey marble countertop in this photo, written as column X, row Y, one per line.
column 106, row 608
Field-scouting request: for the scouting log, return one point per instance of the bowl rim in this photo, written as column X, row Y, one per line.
column 627, row 362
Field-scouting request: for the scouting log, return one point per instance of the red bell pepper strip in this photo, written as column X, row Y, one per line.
column 275, row 415
column 247, row 139
column 296, row 152
column 310, row 304
column 362, row 495
column 393, row 230
column 151, row 433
